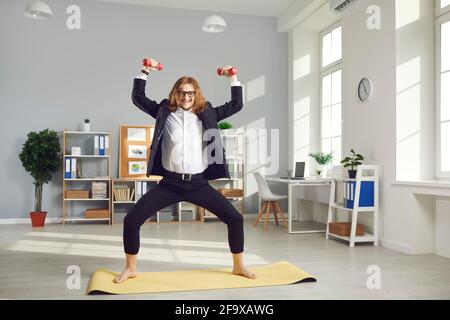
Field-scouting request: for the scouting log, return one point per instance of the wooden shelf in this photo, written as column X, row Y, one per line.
column 353, row 180
column 88, row 179
column 88, row 133
column 360, row 209
column 86, row 219
column 365, row 238
column 86, row 156
column 90, row 199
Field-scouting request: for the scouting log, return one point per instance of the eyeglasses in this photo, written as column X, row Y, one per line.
column 183, row 93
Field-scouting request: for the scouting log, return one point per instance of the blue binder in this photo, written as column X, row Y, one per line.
column 101, row 149
column 68, row 166
column 366, row 194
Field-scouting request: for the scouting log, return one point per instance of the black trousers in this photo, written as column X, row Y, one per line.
column 172, row 190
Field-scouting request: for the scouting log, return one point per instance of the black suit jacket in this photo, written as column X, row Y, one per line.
column 210, row 116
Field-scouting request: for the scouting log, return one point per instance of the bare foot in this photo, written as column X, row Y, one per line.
column 242, row 271
column 126, row 273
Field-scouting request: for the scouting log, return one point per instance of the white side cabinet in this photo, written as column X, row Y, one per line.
column 365, row 173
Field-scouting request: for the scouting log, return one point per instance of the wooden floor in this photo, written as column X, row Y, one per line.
column 34, row 262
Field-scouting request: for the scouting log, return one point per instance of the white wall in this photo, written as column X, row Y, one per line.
column 408, row 221
column 54, row 78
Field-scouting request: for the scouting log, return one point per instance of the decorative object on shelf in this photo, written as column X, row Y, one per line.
column 353, row 162
column 96, row 213
column 38, row 10
column 77, row 194
column 225, row 128
column 322, row 160
column 87, row 125
column 343, row 229
column 40, row 156
column 76, row 151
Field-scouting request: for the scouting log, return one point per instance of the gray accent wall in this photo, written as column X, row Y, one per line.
column 52, row 77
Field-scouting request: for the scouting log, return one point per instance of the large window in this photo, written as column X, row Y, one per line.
column 443, row 92
column 331, row 93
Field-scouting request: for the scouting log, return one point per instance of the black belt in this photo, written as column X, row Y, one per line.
column 185, row 176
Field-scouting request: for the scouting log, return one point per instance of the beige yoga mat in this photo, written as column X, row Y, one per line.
column 280, row 273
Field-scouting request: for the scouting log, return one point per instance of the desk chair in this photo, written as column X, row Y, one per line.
column 270, row 200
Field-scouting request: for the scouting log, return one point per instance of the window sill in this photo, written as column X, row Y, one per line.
column 423, row 183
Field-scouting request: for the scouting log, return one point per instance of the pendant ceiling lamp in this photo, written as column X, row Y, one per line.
column 38, row 10
column 214, row 24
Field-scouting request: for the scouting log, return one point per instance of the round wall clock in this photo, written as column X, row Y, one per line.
column 365, row 89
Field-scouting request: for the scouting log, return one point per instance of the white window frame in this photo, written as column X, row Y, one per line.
column 439, row 21
column 325, row 71
column 321, row 35
column 440, row 11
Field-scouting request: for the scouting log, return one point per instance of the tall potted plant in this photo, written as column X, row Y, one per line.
column 322, row 160
column 353, row 162
column 40, row 156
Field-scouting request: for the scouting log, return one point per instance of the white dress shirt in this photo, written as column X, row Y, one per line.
column 182, row 143
column 183, row 148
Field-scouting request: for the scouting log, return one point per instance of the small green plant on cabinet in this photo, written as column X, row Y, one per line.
column 353, row 162
column 225, row 125
column 322, row 160
column 40, row 156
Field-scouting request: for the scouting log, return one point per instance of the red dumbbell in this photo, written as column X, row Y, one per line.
column 152, row 64
column 227, row 71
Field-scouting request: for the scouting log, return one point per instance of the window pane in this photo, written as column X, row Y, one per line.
column 326, row 91
column 445, row 146
column 336, row 48
column 326, row 145
column 336, row 148
column 336, row 120
column 445, row 3
column 336, row 87
column 326, row 50
column 445, row 46
column 326, row 122
column 445, row 96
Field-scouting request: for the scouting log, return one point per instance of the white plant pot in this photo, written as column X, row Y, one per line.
column 226, row 132
column 86, row 127
column 323, row 170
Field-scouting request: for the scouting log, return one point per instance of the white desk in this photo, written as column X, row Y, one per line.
column 316, row 190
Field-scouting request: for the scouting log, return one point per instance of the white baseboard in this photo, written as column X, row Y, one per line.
column 397, row 246
column 28, row 221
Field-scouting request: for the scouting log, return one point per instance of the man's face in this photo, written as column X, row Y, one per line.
column 186, row 96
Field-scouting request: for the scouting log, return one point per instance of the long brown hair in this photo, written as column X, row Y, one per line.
column 199, row 101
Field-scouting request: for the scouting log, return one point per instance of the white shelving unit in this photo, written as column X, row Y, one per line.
column 84, row 140
column 235, row 156
column 372, row 172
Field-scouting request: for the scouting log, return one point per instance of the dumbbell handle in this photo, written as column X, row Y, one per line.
column 227, row 71
column 152, row 64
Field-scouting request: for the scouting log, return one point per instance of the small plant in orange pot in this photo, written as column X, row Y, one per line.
column 40, row 156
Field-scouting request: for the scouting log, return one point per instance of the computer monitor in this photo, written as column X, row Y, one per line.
column 299, row 169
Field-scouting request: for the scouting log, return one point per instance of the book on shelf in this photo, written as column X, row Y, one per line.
column 99, row 190
column 123, row 193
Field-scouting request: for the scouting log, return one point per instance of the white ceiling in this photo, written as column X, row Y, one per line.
column 267, row 8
